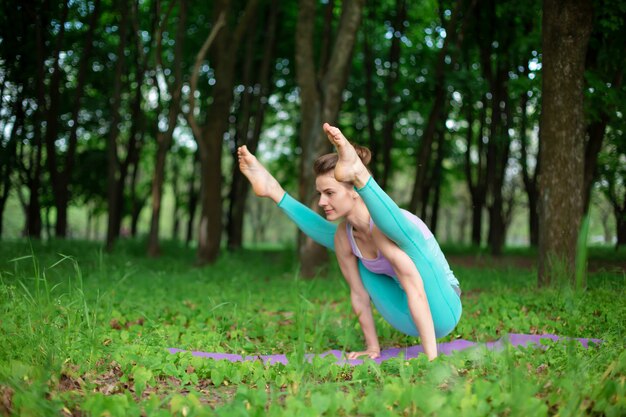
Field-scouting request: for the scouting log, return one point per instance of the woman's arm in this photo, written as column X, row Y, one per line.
column 411, row 281
column 309, row 222
column 358, row 295
column 265, row 185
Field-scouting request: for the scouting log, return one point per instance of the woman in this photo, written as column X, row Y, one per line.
column 384, row 253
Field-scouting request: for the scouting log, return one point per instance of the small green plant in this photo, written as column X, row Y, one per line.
column 86, row 332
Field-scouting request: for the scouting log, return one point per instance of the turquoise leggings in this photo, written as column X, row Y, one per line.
column 386, row 293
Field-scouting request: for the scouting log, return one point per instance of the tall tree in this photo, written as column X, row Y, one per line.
column 529, row 177
column 475, row 171
column 495, row 72
column 566, row 28
column 613, row 185
column 423, row 154
column 61, row 173
column 321, row 87
column 192, row 198
column 604, row 78
column 52, row 123
column 209, row 136
column 130, row 202
column 252, row 108
column 170, row 119
column 33, row 168
column 369, row 24
column 17, row 65
column 8, row 154
column 114, row 129
column 390, row 90
column 62, row 186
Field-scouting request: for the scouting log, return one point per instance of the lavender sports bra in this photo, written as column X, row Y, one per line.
column 381, row 265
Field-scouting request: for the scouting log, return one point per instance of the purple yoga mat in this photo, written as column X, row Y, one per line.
column 447, row 348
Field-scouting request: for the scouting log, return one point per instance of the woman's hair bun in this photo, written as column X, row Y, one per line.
column 364, row 153
column 327, row 163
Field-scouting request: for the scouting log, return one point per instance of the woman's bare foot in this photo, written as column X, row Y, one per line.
column 263, row 183
column 349, row 167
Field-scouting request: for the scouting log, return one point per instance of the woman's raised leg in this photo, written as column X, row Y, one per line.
column 444, row 303
column 265, row 185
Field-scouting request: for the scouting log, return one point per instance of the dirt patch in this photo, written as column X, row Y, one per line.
column 69, row 383
column 215, row 396
column 6, row 400
column 109, row 382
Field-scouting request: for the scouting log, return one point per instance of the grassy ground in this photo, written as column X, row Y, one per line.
column 85, row 333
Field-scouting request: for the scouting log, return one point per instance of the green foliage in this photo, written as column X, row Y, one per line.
column 88, row 332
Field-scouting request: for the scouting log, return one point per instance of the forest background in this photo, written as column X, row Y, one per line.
column 497, row 122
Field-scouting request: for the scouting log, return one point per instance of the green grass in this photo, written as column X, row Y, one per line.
column 85, row 333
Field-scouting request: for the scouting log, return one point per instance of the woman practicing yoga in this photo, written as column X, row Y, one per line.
column 386, row 254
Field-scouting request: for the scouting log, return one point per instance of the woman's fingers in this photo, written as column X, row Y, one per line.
column 372, row 354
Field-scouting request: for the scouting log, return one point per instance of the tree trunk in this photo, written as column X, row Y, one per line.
column 320, row 100
column 478, row 186
column 311, row 255
column 618, row 203
column 498, row 145
column 48, row 223
column 620, row 220
column 61, row 178
column 8, row 156
column 137, row 130
column 530, row 181
column 250, row 135
column 136, row 202
column 533, row 217
column 497, row 159
column 175, row 168
column 437, row 180
column 164, row 139
column 595, row 137
column 88, row 227
column 33, row 172
column 131, row 162
column 429, row 178
column 33, row 214
column 52, row 131
column 390, row 93
column 210, row 227
column 423, row 154
column 210, row 137
column 368, row 67
column 327, row 36
column 236, row 196
column 112, row 156
column 192, row 202
column 65, row 176
column 566, row 28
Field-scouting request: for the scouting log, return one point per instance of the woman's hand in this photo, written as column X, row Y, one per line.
column 372, row 353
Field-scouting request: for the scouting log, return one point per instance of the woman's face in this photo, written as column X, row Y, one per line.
column 336, row 198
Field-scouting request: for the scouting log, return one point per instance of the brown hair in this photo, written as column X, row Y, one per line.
column 327, row 163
